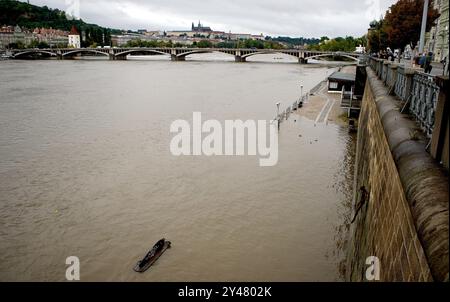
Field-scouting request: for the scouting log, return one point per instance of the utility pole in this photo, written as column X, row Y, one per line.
column 424, row 26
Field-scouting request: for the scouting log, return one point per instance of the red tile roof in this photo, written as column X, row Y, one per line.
column 74, row 31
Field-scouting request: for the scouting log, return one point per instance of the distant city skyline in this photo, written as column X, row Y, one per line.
column 295, row 18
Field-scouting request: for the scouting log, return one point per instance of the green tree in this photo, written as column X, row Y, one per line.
column 17, row 45
column 402, row 22
column 31, row 16
column 376, row 38
column 33, row 44
column 401, row 25
column 204, row 44
column 347, row 44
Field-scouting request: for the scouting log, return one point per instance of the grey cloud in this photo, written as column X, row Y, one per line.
column 308, row 18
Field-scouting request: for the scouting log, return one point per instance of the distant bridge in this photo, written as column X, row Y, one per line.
column 176, row 54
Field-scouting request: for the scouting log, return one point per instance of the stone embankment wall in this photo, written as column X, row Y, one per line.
column 403, row 193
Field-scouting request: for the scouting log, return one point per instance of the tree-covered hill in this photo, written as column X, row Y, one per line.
column 31, row 16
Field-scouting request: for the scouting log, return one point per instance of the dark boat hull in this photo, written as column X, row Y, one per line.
column 153, row 259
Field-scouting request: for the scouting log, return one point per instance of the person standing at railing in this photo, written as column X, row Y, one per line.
column 415, row 61
column 422, row 60
column 427, row 65
column 444, row 65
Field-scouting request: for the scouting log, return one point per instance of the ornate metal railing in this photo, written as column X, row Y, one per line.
column 384, row 72
column 416, row 89
column 401, row 89
column 380, row 68
column 424, row 96
column 391, row 76
column 372, row 64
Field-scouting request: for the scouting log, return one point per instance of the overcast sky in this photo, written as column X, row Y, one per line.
column 307, row 18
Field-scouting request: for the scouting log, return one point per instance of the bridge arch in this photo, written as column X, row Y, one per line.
column 85, row 51
column 34, row 51
column 206, row 50
column 128, row 52
column 333, row 55
column 265, row 52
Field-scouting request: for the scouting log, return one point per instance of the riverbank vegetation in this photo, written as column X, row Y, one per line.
column 30, row 16
column 258, row 44
column 347, row 44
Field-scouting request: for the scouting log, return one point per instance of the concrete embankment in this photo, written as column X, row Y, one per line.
column 402, row 193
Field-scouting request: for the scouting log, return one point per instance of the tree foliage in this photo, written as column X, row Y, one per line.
column 401, row 25
column 294, row 41
column 204, row 44
column 348, row 44
column 258, row 44
column 31, row 16
column 37, row 44
column 152, row 43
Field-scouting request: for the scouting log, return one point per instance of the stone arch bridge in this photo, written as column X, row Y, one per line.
column 176, row 54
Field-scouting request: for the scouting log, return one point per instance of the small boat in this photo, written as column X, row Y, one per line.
column 158, row 249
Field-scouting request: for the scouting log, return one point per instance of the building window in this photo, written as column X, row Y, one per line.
column 333, row 85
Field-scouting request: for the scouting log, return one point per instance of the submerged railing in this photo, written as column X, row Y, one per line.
column 284, row 115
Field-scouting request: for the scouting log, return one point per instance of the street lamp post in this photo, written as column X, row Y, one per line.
column 424, row 26
column 444, row 56
column 278, row 119
column 301, row 93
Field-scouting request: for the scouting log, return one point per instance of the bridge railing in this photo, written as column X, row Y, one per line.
column 423, row 96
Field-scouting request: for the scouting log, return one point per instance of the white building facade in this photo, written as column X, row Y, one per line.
column 74, row 38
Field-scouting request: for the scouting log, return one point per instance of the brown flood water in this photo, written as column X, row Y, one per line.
column 86, row 171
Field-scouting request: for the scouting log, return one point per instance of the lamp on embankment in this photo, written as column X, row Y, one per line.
column 424, row 26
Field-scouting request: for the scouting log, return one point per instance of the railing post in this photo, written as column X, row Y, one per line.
column 385, row 71
column 403, row 84
column 379, row 68
column 392, row 77
column 439, row 140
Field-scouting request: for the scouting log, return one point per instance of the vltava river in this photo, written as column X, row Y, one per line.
column 86, row 171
